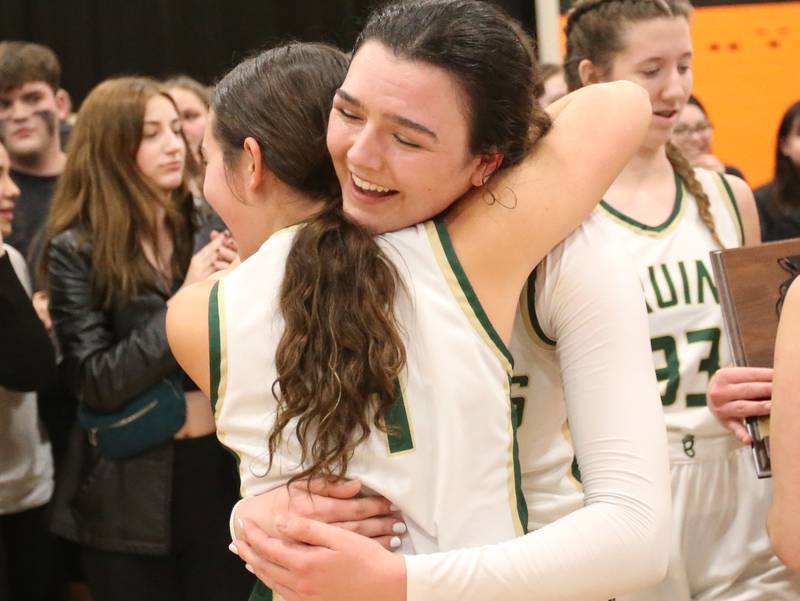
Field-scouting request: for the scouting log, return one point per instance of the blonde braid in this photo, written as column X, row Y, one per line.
column 686, row 173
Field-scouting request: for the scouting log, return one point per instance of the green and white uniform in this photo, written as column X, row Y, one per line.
column 720, row 546
column 581, row 337
column 449, row 463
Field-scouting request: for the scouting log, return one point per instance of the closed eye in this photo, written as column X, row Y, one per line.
column 347, row 114
column 406, row 142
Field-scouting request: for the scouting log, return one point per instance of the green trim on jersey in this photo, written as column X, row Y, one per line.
column 261, row 593
column 517, row 411
column 650, row 230
column 727, row 192
column 218, row 362
column 214, row 344
column 530, row 309
column 468, row 291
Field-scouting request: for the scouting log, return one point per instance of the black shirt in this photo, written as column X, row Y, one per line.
column 779, row 224
column 33, row 204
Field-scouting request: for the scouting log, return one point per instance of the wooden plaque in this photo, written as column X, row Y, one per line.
column 752, row 282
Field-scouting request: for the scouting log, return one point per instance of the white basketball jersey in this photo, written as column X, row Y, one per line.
column 546, row 452
column 687, row 336
column 450, row 462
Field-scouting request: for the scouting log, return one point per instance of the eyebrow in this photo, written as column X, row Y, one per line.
column 399, row 119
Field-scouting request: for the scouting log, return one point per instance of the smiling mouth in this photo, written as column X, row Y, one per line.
column 665, row 114
column 369, row 188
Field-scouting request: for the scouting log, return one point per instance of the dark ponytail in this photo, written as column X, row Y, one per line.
column 341, row 351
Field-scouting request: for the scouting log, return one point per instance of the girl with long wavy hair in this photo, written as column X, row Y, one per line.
column 437, row 156
column 120, row 242
column 668, row 217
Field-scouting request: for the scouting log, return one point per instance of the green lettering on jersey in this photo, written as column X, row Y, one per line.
column 685, row 282
column 518, row 402
column 709, row 365
column 673, row 300
column 703, row 278
column 397, row 426
column 671, row 372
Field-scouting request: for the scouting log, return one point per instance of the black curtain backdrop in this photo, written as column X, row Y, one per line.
column 96, row 39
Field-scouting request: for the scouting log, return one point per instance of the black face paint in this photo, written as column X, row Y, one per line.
column 49, row 119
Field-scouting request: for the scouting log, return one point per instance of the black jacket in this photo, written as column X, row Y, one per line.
column 109, row 357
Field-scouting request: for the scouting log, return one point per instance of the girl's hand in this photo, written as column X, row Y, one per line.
column 204, row 262
column 317, row 561
column 738, row 392
column 228, row 253
column 334, row 503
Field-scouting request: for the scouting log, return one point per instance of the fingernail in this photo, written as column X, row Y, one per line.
column 393, row 507
column 249, row 568
column 399, row 528
column 232, row 548
column 240, row 523
column 395, row 542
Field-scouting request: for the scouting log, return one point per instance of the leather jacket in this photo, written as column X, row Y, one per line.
column 110, row 355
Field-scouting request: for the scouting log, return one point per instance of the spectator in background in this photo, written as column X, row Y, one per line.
column 68, row 122
column 31, row 109
column 779, row 201
column 553, row 83
column 119, row 243
column 191, row 98
column 692, row 135
column 26, row 466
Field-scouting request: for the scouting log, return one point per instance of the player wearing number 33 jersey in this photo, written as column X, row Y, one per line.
column 719, row 540
column 448, row 460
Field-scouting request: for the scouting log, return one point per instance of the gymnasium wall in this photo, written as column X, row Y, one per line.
column 746, row 73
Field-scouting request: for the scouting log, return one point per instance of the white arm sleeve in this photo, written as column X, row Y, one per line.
column 619, row 540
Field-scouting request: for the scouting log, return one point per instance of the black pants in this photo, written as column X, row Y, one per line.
column 199, row 567
column 27, row 557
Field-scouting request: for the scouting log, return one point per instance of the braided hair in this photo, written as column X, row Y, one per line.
column 594, row 32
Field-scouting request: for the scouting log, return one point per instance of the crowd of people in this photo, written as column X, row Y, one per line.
column 382, row 325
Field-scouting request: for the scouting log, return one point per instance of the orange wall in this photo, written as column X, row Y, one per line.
column 746, row 73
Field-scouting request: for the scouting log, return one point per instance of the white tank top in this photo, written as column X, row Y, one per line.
column 687, row 337
column 451, row 462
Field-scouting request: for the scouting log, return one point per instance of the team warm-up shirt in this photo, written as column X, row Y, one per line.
column 449, row 463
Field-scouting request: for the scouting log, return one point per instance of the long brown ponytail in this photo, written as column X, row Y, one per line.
column 341, row 350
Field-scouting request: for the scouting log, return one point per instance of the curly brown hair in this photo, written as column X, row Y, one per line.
column 341, row 351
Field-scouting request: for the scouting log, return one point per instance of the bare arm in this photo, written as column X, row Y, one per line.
column 539, row 202
column 784, row 517
column 187, row 332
